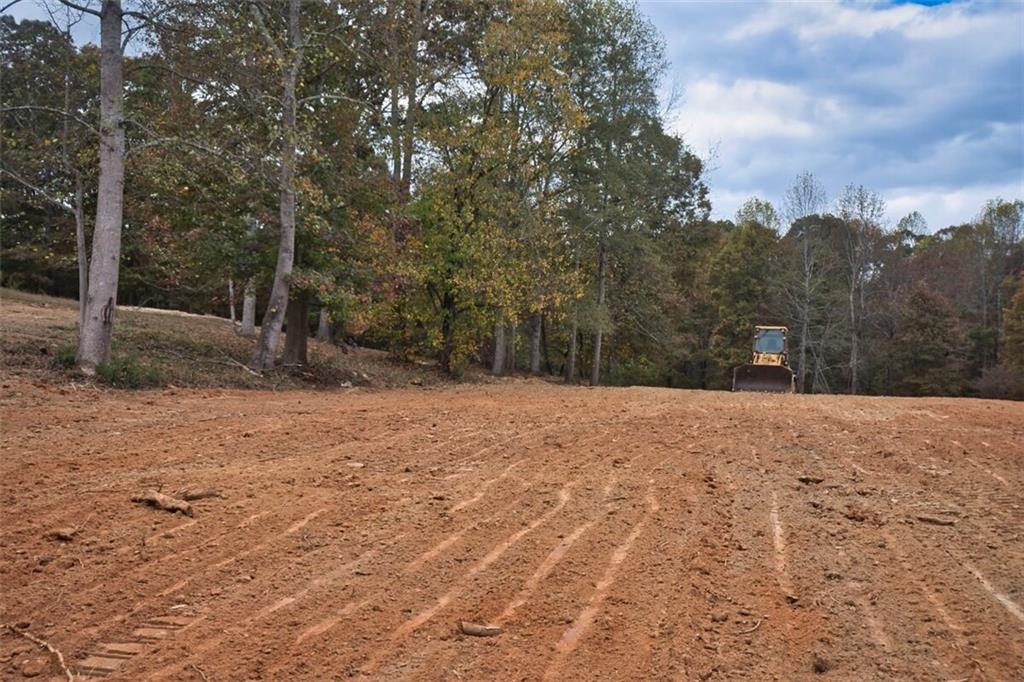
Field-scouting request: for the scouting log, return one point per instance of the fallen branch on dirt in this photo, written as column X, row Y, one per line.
column 749, row 630
column 192, row 494
column 161, row 501
column 478, row 630
column 200, row 671
column 46, row 645
column 935, row 521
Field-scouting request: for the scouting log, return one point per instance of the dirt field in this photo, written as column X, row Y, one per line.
column 613, row 534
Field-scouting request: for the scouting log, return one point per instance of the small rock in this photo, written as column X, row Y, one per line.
column 720, row 617
column 355, row 465
column 810, row 479
column 820, row 665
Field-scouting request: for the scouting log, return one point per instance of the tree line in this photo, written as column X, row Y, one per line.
column 488, row 182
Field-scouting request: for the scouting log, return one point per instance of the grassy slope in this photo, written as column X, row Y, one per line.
column 162, row 348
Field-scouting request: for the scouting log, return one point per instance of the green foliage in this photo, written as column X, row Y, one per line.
column 127, row 371
column 64, row 358
column 1013, row 330
column 739, row 276
column 929, row 350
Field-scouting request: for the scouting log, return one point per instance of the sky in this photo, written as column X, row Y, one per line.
column 922, row 102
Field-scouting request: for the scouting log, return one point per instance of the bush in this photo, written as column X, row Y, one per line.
column 65, row 357
column 124, row 371
column 1001, row 382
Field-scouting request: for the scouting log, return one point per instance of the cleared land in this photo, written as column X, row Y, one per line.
column 614, row 534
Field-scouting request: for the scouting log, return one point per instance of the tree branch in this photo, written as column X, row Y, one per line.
column 39, row 190
column 81, row 8
column 257, row 15
column 52, row 110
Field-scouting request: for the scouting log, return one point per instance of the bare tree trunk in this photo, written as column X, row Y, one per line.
column 296, row 340
column 535, row 345
column 801, row 362
column 249, row 308
column 394, row 87
column 512, row 332
column 410, row 93
column 231, row 301
column 97, row 329
column 498, row 361
column 853, row 342
column 595, row 367
column 79, row 206
column 270, row 331
column 323, row 326
column 83, row 253
column 570, row 360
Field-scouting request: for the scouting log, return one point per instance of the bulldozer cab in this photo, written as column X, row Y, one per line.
column 769, row 370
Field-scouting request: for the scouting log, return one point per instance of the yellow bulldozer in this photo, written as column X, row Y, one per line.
column 769, row 371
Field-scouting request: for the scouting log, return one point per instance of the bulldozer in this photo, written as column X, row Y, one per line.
column 769, row 370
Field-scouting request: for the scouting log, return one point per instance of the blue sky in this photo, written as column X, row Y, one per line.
column 922, row 102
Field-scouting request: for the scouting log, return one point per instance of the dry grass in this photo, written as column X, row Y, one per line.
column 162, row 348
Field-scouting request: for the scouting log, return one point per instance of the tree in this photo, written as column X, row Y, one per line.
column 740, row 274
column 928, row 352
column 1013, row 330
column 862, row 210
column 288, row 55
column 801, row 284
column 46, row 86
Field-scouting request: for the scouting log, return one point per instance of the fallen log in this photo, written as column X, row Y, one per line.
column 192, row 494
column 478, row 630
column 165, row 502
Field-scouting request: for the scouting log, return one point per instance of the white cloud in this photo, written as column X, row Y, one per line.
column 750, row 110
column 818, row 21
column 943, row 207
column 923, row 104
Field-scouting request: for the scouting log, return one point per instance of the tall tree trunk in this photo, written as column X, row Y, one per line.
column 79, row 207
column 295, row 342
column 323, row 326
column 853, row 342
column 545, row 329
column 270, row 331
column 570, row 360
column 498, row 361
column 801, row 362
column 97, row 329
column 447, row 332
column 249, row 308
column 595, row 367
column 535, row 345
column 82, row 251
column 394, row 87
column 412, row 67
column 231, row 301
column 512, row 333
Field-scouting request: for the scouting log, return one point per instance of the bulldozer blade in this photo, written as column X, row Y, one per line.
column 763, row 378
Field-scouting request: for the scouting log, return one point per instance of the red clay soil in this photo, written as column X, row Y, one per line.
column 612, row 534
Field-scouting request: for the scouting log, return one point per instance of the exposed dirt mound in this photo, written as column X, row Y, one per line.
column 617, row 534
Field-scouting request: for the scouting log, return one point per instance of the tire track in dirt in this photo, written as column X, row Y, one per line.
column 149, row 566
column 500, row 603
column 327, row 623
column 489, row 554
column 570, row 639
